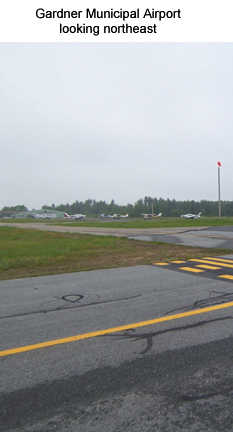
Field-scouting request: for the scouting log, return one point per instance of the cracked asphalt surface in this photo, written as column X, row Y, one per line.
column 171, row 375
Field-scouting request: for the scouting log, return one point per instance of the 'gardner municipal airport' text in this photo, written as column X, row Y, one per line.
column 123, row 15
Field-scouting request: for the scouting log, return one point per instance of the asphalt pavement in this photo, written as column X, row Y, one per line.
column 145, row 348
column 208, row 237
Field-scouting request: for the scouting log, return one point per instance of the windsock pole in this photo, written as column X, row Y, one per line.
column 219, row 199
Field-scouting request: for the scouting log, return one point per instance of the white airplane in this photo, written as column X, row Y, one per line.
column 119, row 216
column 115, row 216
column 75, row 216
column 191, row 216
column 103, row 216
column 41, row 216
column 147, row 216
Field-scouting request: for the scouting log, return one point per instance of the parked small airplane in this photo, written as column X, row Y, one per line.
column 191, row 216
column 115, row 216
column 104, row 216
column 147, row 216
column 41, row 215
column 76, row 216
column 120, row 216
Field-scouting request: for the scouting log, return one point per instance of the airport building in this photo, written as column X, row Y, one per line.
column 50, row 214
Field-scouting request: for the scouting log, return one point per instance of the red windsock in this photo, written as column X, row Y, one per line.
column 219, row 164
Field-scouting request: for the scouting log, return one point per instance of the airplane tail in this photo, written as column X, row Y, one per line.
column 66, row 215
column 160, row 214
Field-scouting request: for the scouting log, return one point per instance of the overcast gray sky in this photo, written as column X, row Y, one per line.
column 115, row 121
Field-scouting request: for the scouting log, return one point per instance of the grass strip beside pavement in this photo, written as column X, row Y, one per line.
column 26, row 253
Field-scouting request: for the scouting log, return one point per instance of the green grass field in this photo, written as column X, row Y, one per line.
column 26, row 253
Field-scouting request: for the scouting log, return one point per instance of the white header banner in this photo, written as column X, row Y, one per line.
column 116, row 21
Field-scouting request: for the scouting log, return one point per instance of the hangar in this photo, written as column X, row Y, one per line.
column 53, row 214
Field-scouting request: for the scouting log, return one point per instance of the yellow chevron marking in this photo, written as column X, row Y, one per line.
column 219, row 259
column 191, row 269
column 211, row 262
column 178, row 262
column 208, row 267
column 226, row 276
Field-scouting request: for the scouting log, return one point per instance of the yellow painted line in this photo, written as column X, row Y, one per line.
column 219, row 259
column 211, row 262
column 178, row 262
column 115, row 329
column 191, row 269
column 226, row 276
column 205, row 266
column 161, row 264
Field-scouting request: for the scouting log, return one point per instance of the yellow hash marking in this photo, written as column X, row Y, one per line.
column 226, row 276
column 191, row 269
column 178, row 262
column 220, row 259
column 209, row 267
column 161, row 264
column 211, row 262
column 115, row 329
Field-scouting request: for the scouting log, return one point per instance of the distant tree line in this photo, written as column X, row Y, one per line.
column 8, row 211
column 169, row 208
